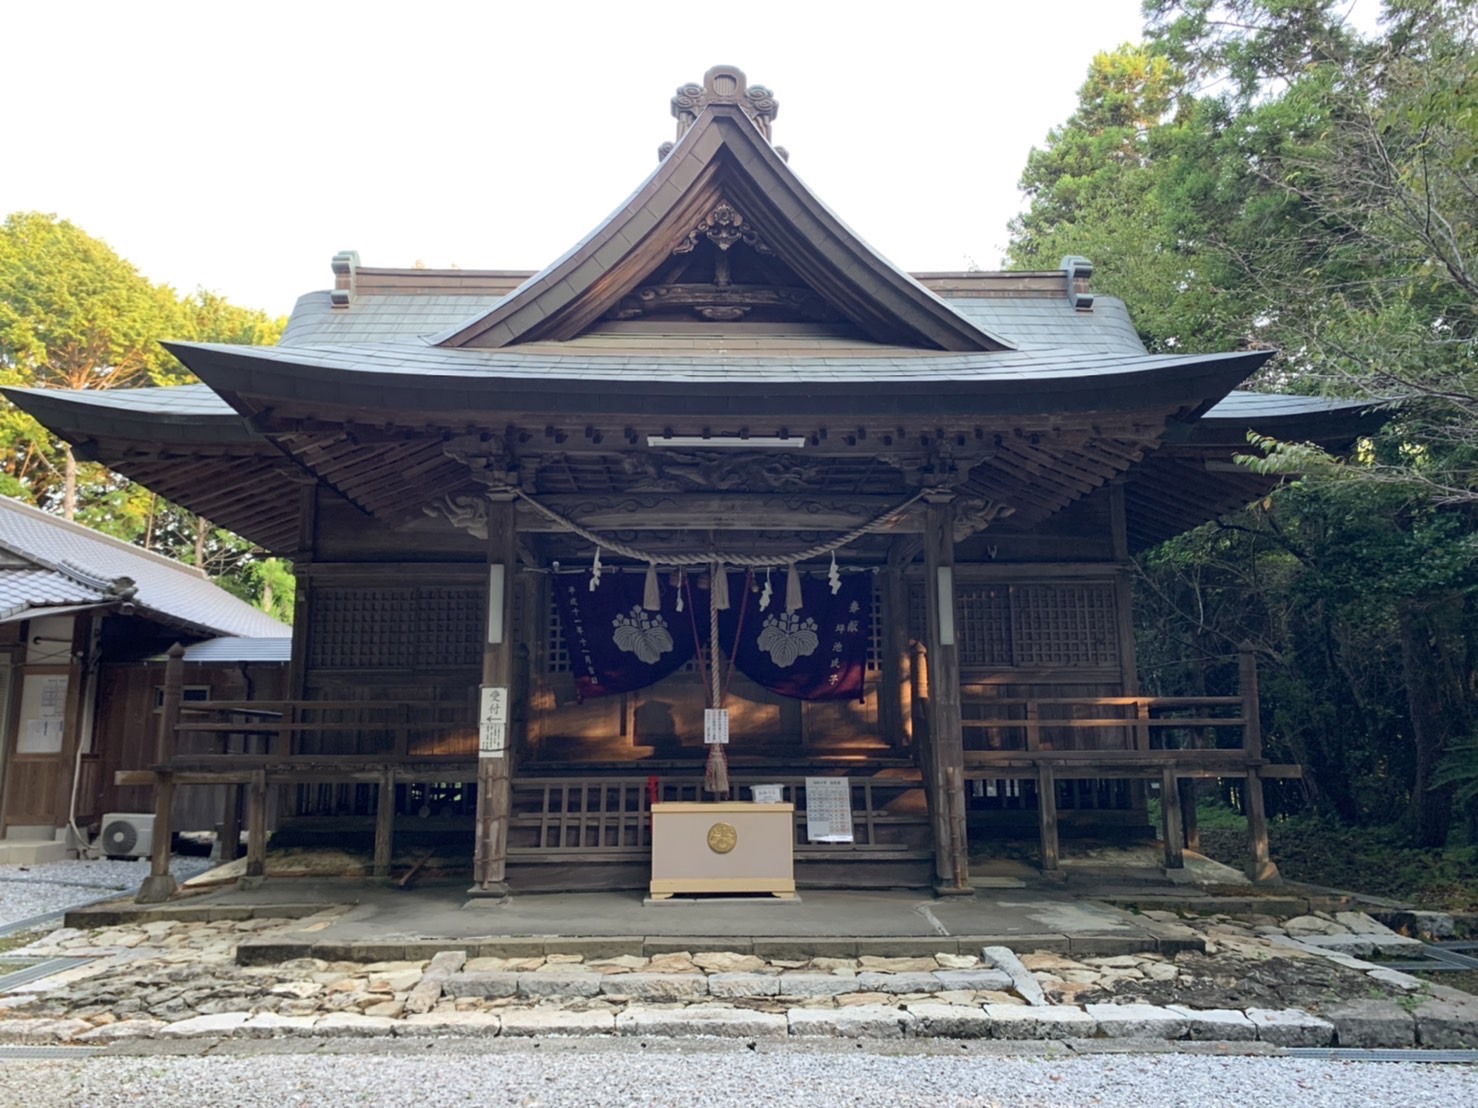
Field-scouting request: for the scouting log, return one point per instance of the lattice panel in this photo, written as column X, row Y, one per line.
column 363, row 628
column 449, row 625
column 983, row 625
column 1064, row 625
column 426, row 628
column 556, row 650
column 875, row 635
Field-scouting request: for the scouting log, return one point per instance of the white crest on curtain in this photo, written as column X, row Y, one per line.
column 786, row 637
column 642, row 633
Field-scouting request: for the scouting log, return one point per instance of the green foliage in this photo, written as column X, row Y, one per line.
column 75, row 315
column 1371, row 860
column 1258, row 175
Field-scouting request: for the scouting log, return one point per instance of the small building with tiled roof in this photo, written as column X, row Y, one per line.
column 719, row 470
column 80, row 615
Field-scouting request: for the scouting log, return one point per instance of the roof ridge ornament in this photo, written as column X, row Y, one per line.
column 723, row 84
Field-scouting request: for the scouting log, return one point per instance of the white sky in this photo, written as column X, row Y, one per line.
column 237, row 146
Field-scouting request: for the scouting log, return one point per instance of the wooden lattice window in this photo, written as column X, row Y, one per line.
column 1044, row 626
column 1064, row 625
column 556, row 650
column 983, row 625
column 435, row 627
column 875, row 634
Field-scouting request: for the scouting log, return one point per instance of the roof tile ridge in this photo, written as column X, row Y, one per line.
column 11, row 504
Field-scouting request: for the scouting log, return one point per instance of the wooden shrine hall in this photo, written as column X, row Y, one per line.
column 721, row 454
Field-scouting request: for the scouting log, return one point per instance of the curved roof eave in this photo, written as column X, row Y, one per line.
column 406, row 378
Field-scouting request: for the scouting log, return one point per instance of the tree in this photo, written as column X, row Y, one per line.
column 73, row 314
column 1287, row 183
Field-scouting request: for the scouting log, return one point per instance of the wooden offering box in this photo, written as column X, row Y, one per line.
column 723, row 847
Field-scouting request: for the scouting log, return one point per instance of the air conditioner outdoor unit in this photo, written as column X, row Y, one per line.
column 127, row 834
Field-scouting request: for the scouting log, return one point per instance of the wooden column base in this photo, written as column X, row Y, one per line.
column 1264, row 873
column 493, row 890
column 941, row 890
column 156, row 890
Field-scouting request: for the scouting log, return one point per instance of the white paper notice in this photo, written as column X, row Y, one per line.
column 715, row 726
column 43, row 712
column 492, row 722
column 829, row 810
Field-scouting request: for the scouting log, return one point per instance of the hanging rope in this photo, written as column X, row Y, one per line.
column 716, row 772
column 748, row 561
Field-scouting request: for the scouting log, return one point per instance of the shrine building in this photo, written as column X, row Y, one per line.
column 719, row 455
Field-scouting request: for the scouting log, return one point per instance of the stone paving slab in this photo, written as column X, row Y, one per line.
column 1137, row 1021
column 949, row 1021
column 655, row 986
column 1291, row 1027
column 556, row 1021
column 1372, row 1024
column 1009, row 1021
column 729, row 1023
column 743, row 984
column 1447, row 1025
column 560, row 984
column 865, row 1021
column 1216, row 1024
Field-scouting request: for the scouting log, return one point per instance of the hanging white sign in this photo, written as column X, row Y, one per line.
column 715, row 726
column 492, row 722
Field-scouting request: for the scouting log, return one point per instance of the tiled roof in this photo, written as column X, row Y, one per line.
column 22, row 589
column 590, row 359
column 235, row 648
column 1241, row 404
column 177, row 592
column 1029, row 321
column 371, row 318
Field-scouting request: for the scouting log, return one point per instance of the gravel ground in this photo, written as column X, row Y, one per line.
column 27, row 891
column 699, row 1077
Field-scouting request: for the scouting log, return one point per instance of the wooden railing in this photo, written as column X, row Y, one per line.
column 555, row 816
column 564, row 817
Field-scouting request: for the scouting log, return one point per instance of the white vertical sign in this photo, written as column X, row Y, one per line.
column 495, row 603
column 492, row 722
column 715, row 726
column 829, row 809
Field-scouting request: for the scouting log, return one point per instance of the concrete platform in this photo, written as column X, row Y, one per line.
column 382, row 924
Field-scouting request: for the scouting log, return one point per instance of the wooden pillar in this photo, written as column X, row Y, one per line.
column 159, row 885
column 893, row 660
column 384, row 822
column 495, row 710
column 1047, row 816
column 1260, row 867
column 230, row 840
column 1189, row 798
column 1170, row 816
column 945, row 732
column 256, row 829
